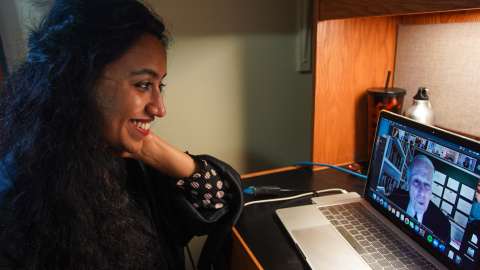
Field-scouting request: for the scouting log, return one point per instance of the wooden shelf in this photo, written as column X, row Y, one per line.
column 342, row 9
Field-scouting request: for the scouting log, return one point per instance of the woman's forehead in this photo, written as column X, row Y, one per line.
column 147, row 53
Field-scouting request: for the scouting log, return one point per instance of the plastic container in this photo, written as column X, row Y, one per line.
column 379, row 98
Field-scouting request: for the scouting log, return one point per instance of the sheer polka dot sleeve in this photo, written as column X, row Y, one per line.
column 206, row 189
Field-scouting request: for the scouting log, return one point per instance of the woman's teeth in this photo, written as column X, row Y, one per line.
column 141, row 125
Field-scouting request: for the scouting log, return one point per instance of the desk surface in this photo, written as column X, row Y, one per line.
column 260, row 228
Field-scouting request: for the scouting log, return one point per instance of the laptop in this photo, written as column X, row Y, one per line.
column 419, row 209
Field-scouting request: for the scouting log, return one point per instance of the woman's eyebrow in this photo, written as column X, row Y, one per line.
column 146, row 71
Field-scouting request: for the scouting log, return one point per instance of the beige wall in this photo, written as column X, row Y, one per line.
column 445, row 58
column 11, row 30
column 232, row 86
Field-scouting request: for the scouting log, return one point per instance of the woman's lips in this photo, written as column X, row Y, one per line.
column 142, row 127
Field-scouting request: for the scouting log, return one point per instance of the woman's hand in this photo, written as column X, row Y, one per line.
column 160, row 155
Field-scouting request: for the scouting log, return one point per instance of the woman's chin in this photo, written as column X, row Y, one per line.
column 124, row 151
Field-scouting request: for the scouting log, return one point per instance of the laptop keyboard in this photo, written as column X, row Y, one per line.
column 379, row 246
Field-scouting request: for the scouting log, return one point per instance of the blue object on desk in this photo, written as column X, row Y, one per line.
column 262, row 190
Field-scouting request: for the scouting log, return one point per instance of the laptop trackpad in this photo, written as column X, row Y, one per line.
column 325, row 248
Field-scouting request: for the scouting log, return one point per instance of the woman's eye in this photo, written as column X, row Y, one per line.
column 144, row 85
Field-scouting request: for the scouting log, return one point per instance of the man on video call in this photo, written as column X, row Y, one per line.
column 416, row 199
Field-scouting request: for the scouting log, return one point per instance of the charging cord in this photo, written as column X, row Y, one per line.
column 314, row 193
column 274, row 190
column 331, row 166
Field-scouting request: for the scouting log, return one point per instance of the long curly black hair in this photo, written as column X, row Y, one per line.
column 68, row 208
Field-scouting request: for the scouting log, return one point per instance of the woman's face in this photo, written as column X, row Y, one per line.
column 130, row 94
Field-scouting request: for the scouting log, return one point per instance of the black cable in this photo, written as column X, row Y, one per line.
column 331, row 166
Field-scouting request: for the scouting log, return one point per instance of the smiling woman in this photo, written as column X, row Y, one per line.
column 84, row 183
column 130, row 94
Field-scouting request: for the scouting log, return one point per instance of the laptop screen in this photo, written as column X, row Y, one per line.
column 426, row 181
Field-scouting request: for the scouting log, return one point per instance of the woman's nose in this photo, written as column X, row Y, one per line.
column 156, row 107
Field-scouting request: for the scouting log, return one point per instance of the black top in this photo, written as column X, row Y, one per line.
column 177, row 208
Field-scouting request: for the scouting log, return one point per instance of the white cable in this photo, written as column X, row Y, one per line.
column 297, row 196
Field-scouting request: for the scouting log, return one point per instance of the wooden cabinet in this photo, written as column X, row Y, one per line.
column 355, row 46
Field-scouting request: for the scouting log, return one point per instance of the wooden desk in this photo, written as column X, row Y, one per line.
column 259, row 240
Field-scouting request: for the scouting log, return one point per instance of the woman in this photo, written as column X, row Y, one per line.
column 84, row 183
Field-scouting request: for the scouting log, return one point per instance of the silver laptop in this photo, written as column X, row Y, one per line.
column 419, row 209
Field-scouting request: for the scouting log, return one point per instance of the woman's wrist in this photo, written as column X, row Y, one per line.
column 164, row 157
